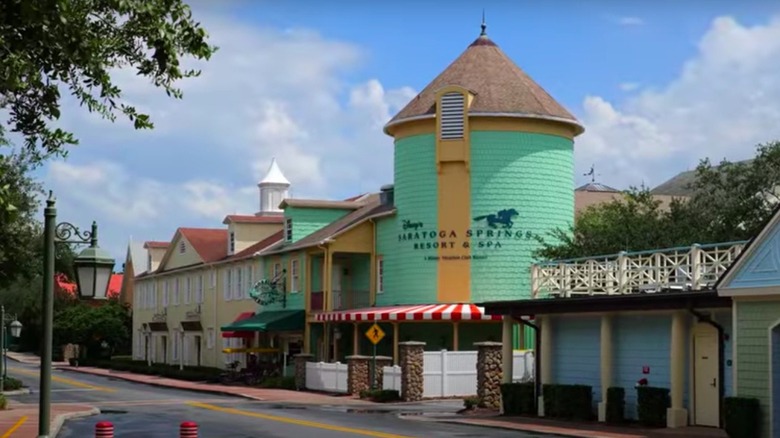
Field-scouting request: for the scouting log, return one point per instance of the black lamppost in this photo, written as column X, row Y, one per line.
column 93, row 272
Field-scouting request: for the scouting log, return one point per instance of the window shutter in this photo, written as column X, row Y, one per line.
column 451, row 116
column 226, row 284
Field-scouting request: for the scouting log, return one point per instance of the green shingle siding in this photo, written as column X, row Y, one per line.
column 532, row 173
column 294, row 300
column 308, row 220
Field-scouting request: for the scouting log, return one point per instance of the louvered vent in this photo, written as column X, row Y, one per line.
column 451, row 116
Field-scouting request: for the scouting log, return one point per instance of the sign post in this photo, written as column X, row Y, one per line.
column 374, row 334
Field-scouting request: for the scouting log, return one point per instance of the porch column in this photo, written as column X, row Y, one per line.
column 396, row 359
column 677, row 415
column 507, row 354
column 355, row 340
column 326, row 342
column 545, row 356
column 327, row 287
column 606, row 363
column 307, row 338
column 455, row 335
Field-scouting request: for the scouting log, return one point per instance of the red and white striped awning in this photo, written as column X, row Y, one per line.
column 427, row 312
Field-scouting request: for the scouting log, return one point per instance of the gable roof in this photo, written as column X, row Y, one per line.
column 682, row 183
column 253, row 219
column 320, row 203
column 156, row 244
column 209, row 243
column 265, row 244
column 747, row 252
column 370, row 210
column 136, row 255
column 499, row 86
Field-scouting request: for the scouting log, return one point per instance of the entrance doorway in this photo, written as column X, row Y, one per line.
column 706, row 376
column 335, row 282
column 197, row 350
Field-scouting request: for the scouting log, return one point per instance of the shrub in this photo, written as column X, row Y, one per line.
column 652, row 403
column 518, row 398
column 742, row 417
column 616, row 405
column 472, row 402
column 568, row 401
column 12, row 384
column 279, row 383
column 3, row 403
column 381, row 395
column 190, row 373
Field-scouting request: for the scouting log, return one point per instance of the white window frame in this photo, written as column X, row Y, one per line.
column 175, row 347
column 213, row 276
column 231, row 242
column 277, row 270
column 182, row 247
column 239, row 283
column 288, row 229
column 380, row 275
column 166, row 292
column 210, row 338
column 199, row 290
column 226, row 284
column 176, row 291
column 187, row 290
column 294, row 275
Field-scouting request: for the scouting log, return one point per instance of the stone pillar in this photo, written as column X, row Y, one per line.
column 358, row 374
column 606, row 364
column 489, row 373
column 677, row 415
column 300, row 369
column 411, row 362
column 381, row 362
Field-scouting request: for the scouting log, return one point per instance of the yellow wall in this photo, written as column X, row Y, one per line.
column 358, row 239
column 247, row 235
column 177, row 259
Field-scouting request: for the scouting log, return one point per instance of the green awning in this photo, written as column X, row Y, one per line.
column 269, row 321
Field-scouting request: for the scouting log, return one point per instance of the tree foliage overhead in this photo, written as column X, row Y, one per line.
column 728, row 202
column 53, row 46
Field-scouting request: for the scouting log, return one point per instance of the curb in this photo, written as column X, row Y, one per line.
column 17, row 392
column 162, row 385
column 60, row 420
column 572, row 433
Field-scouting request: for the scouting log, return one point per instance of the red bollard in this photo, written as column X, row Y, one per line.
column 104, row 429
column 188, row 429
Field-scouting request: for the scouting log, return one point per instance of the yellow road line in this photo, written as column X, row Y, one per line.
column 296, row 422
column 64, row 380
column 14, row 427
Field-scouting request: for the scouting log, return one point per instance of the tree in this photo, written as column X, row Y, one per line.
column 92, row 324
column 50, row 46
column 728, row 202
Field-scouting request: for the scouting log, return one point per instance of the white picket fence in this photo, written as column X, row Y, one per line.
column 327, row 377
column 454, row 373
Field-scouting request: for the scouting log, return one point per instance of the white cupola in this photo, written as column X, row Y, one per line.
column 274, row 188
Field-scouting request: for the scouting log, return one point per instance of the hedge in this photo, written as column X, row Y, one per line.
column 652, row 404
column 742, row 417
column 190, row 373
column 573, row 402
column 616, row 405
column 518, row 398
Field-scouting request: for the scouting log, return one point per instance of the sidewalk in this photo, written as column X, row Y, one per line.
column 584, row 430
column 258, row 394
column 29, row 359
column 21, row 420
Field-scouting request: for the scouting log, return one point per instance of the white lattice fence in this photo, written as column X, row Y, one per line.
column 327, row 377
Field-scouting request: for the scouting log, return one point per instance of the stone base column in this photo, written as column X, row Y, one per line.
column 489, row 373
column 358, row 374
column 300, row 369
column 411, row 362
column 381, row 362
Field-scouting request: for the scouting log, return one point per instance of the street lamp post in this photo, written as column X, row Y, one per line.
column 16, row 330
column 93, row 272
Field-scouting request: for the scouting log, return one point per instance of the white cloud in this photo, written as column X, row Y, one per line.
column 628, row 21
column 265, row 93
column 723, row 103
column 629, row 86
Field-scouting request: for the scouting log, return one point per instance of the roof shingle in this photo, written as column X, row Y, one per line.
column 209, row 243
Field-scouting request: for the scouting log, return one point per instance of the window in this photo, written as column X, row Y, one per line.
column 176, row 284
column 182, row 247
column 199, row 290
column 210, row 338
column 175, row 350
column 380, row 275
column 149, row 262
column 294, row 275
column 249, row 279
column 451, row 115
column 213, row 275
column 154, row 295
column 239, row 284
column 166, row 285
column 226, row 285
column 232, row 244
column 187, row 290
column 277, row 270
column 288, row 229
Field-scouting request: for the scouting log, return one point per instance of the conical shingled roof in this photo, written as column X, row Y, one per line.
column 499, row 86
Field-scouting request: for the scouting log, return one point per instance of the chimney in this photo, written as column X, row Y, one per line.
column 386, row 194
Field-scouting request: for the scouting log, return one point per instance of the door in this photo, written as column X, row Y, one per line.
column 706, row 378
column 198, row 341
column 336, row 286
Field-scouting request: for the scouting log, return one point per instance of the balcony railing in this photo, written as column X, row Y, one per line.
column 342, row 300
column 685, row 268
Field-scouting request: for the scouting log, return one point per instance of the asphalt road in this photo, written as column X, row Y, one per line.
column 145, row 411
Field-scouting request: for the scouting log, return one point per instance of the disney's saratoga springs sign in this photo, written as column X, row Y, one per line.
column 492, row 232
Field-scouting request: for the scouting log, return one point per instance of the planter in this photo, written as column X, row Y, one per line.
column 73, row 362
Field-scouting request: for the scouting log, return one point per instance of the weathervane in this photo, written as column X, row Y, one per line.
column 484, row 25
column 592, row 173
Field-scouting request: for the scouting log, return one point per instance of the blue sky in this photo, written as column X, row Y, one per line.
column 657, row 85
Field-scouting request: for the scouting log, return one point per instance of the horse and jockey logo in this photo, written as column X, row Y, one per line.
column 500, row 219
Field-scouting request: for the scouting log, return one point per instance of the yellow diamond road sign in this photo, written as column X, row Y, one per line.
column 375, row 334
